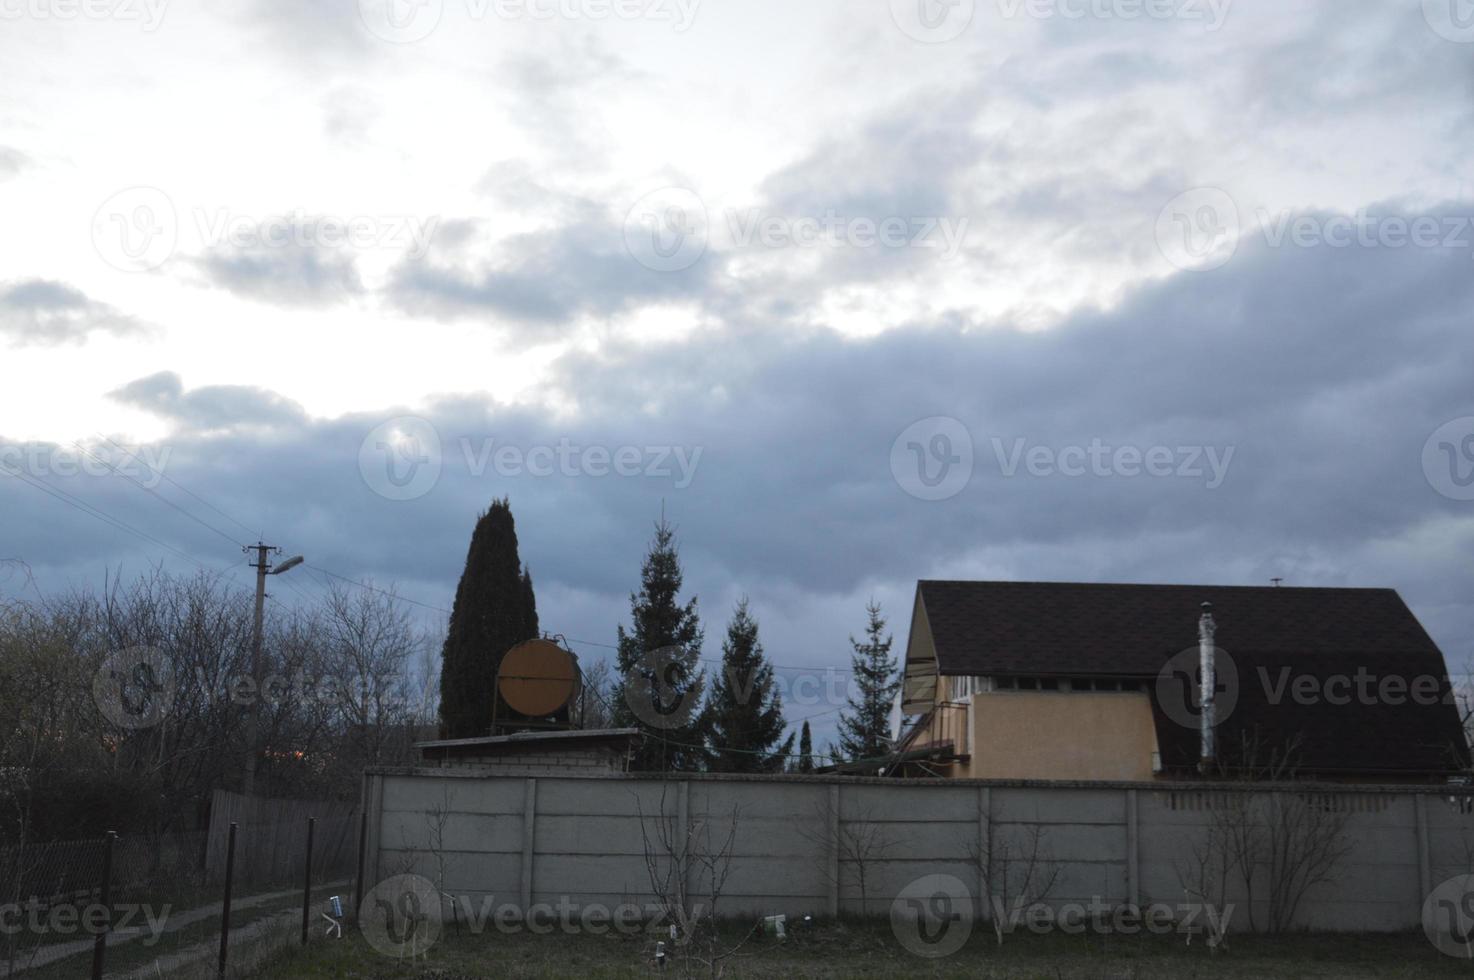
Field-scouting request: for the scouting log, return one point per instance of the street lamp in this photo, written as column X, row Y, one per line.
column 263, row 569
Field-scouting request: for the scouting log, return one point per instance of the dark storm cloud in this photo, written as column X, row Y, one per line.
column 42, row 312
column 1324, row 370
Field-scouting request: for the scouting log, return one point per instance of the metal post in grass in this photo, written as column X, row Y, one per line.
column 105, row 895
column 225, row 907
column 307, row 878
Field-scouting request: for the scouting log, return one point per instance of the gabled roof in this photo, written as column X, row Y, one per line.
column 1069, row 628
column 1061, row 629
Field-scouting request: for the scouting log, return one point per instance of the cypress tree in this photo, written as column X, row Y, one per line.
column 744, row 712
column 660, row 679
column 805, row 750
column 494, row 610
column 864, row 728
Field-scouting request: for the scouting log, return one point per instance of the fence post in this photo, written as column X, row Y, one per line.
column 362, row 844
column 225, row 908
column 985, row 851
column 307, row 878
column 835, row 869
column 99, row 945
column 1425, row 868
column 529, row 836
column 1133, row 851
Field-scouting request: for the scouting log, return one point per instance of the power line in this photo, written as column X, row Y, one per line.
column 181, row 486
column 374, row 588
column 155, row 493
column 78, row 503
column 288, row 582
column 717, row 660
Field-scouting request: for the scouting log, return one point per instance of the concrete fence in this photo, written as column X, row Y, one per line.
column 519, row 840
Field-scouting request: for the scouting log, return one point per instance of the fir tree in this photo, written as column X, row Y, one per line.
column 660, row 680
column 864, row 727
column 744, row 712
column 805, row 751
column 494, row 610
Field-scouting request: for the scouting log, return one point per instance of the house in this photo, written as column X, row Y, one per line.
column 1067, row 681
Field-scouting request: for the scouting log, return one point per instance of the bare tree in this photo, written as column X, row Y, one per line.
column 1017, row 871
column 436, row 817
column 1291, row 840
column 344, row 687
column 859, row 843
column 598, row 685
column 685, row 866
column 1213, row 862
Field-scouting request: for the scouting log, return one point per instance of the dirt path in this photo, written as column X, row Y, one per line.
column 174, row 921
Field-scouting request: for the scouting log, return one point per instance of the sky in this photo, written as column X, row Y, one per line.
column 854, row 292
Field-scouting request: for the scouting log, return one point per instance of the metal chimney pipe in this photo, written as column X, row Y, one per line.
column 1206, row 668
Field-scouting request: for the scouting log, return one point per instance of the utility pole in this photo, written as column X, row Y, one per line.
column 253, row 726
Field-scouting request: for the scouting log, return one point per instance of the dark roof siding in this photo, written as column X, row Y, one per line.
column 1044, row 628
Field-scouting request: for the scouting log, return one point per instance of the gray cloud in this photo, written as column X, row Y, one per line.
column 12, row 162
column 537, row 281
column 43, row 312
column 1300, row 360
column 211, row 408
column 284, row 266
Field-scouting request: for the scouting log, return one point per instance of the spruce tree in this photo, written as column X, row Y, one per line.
column 660, row 679
column 494, row 610
column 744, row 711
column 805, row 750
column 864, row 727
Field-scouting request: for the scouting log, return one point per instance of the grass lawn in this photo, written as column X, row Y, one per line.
column 870, row 950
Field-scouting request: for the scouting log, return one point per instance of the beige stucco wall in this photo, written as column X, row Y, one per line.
column 1051, row 735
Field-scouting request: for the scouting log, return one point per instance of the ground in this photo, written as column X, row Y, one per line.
column 870, row 950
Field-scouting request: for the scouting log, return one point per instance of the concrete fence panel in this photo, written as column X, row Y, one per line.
column 817, row 844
